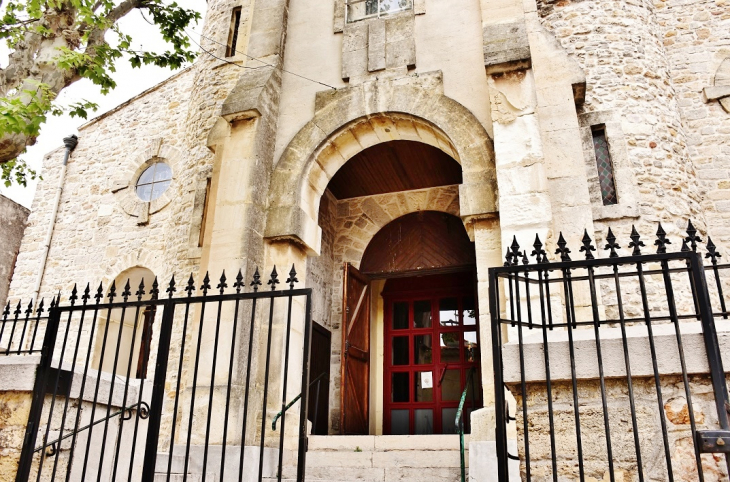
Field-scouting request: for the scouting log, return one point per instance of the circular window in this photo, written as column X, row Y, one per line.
column 154, row 181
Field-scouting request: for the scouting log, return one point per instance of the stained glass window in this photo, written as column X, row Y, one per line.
column 605, row 167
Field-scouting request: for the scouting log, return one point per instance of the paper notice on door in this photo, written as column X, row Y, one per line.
column 426, row 380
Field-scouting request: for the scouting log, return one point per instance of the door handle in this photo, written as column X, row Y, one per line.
column 442, row 374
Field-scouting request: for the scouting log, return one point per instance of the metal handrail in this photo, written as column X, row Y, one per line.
column 296, row 399
column 143, row 413
column 459, row 422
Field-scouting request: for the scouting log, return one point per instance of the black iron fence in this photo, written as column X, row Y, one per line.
column 611, row 367
column 143, row 385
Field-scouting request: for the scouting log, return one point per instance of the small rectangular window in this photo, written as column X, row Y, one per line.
column 362, row 9
column 604, row 166
column 233, row 32
column 201, row 236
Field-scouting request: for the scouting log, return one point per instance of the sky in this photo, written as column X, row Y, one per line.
column 130, row 82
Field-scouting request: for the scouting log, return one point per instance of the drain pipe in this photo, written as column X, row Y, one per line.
column 70, row 142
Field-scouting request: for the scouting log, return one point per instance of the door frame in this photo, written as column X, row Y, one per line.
column 433, row 295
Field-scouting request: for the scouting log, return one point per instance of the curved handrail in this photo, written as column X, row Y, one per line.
column 289, row 405
column 459, row 422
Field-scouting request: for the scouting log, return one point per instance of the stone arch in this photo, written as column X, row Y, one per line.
column 141, row 258
column 375, row 212
column 350, row 120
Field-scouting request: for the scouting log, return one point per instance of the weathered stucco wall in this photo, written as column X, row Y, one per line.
column 13, row 218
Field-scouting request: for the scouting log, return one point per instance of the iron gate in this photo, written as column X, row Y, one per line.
column 610, row 366
column 131, row 386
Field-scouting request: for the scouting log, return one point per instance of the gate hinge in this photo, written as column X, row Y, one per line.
column 713, row 441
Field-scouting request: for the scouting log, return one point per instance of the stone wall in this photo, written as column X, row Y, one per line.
column 96, row 235
column 620, row 45
column 696, row 38
column 14, row 410
column 13, row 218
column 593, row 436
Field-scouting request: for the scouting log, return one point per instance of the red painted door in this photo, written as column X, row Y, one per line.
column 431, row 344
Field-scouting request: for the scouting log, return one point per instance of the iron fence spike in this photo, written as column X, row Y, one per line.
column 87, row 293
column 636, row 241
column 712, row 251
column 155, row 291
column 692, row 237
column 292, row 277
column 239, row 281
column 587, row 245
column 611, row 244
column 274, row 279
column 539, row 253
column 206, row 284
column 222, row 285
column 74, row 295
column 661, row 241
column 140, row 291
column 127, row 291
column 256, row 280
column 563, row 249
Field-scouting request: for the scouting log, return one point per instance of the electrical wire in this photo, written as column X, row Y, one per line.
column 252, row 58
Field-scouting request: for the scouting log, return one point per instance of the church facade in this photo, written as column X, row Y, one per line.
column 391, row 150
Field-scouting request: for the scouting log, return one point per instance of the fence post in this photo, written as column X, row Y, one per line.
column 158, row 393
column 304, row 407
column 499, row 406
column 712, row 345
column 39, row 392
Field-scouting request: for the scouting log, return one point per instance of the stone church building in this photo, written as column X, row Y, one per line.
column 391, row 150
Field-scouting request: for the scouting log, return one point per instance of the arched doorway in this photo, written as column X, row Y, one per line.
column 330, row 230
column 424, row 328
column 123, row 337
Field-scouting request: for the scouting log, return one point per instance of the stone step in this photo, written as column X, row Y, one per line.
column 401, row 458
column 385, row 443
column 371, row 474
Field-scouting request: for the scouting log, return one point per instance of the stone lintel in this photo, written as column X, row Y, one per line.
column 506, row 47
column 586, row 361
column 245, row 99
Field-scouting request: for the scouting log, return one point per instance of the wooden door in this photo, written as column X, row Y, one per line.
column 319, row 369
column 355, row 389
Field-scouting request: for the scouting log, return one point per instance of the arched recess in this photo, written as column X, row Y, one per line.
column 353, row 119
column 424, row 241
column 130, row 329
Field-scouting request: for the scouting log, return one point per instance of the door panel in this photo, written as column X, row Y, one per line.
column 431, row 346
column 319, row 392
column 355, row 388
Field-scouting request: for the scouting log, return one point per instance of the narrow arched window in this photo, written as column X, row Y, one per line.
column 233, row 32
